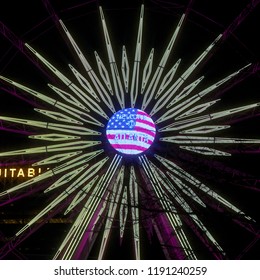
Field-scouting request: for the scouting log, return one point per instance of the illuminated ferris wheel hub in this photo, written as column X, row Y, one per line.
column 130, row 131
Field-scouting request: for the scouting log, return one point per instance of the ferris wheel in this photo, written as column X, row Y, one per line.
column 134, row 137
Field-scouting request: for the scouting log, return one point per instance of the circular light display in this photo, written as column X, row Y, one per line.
column 130, row 131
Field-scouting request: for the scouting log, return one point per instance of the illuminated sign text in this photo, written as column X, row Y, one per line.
column 12, row 172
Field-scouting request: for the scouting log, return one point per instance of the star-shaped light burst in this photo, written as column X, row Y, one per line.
column 102, row 185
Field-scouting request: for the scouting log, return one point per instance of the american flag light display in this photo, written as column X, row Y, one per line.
column 130, row 131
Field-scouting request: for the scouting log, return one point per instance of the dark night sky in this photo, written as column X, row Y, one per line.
column 31, row 22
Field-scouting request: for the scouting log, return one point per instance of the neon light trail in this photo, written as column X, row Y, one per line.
column 116, row 139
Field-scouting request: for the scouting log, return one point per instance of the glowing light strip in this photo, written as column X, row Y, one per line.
column 57, row 104
column 197, row 109
column 68, row 97
column 174, row 219
column 97, row 219
column 113, row 204
column 170, row 113
column 103, row 73
column 134, row 89
column 55, row 137
column 106, row 181
column 90, row 172
column 118, row 89
column 123, row 212
column 169, row 209
column 203, row 93
column 78, row 145
column 125, row 68
column 185, row 92
column 56, row 170
column 78, row 130
column 82, row 193
column 196, row 183
column 181, row 201
column 68, row 191
column 80, row 160
column 56, row 158
column 73, row 238
column 105, row 201
column 90, row 102
column 149, row 94
column 205, row 129
column 32, row 92
column 186, row 189
column 180, row 109
column 71, row 110
column 80, row 219
column 133, row 190
column 81, row 179
column 66, row 178
column 147, row 71
column 59, row 199
column 180, row 184
column 166, row 97
column 168, row 78
column 207, row 140
column 179, row 125
column 78, row 229
column 84, row 83
column 58, row 116
column 95, row 80
column 205, row 151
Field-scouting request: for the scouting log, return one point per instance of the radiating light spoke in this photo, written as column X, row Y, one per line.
column 79, row 145
column 149, row 94
column 123, row 212
column 87, row 214
column 118, row 89
column 103, row 73
column 73, row 163
column 55, row 137
column 207, row 140
column 66, row 193
column 78, row 130
column 134, row 90
column 125, row 69
column 169, row 208
column 165, row 98
column 200, row 186
column 183, row 204
column 179, row 125
column 113, row 205
column 147, row 71
column 205, row 150
column 134, row 200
